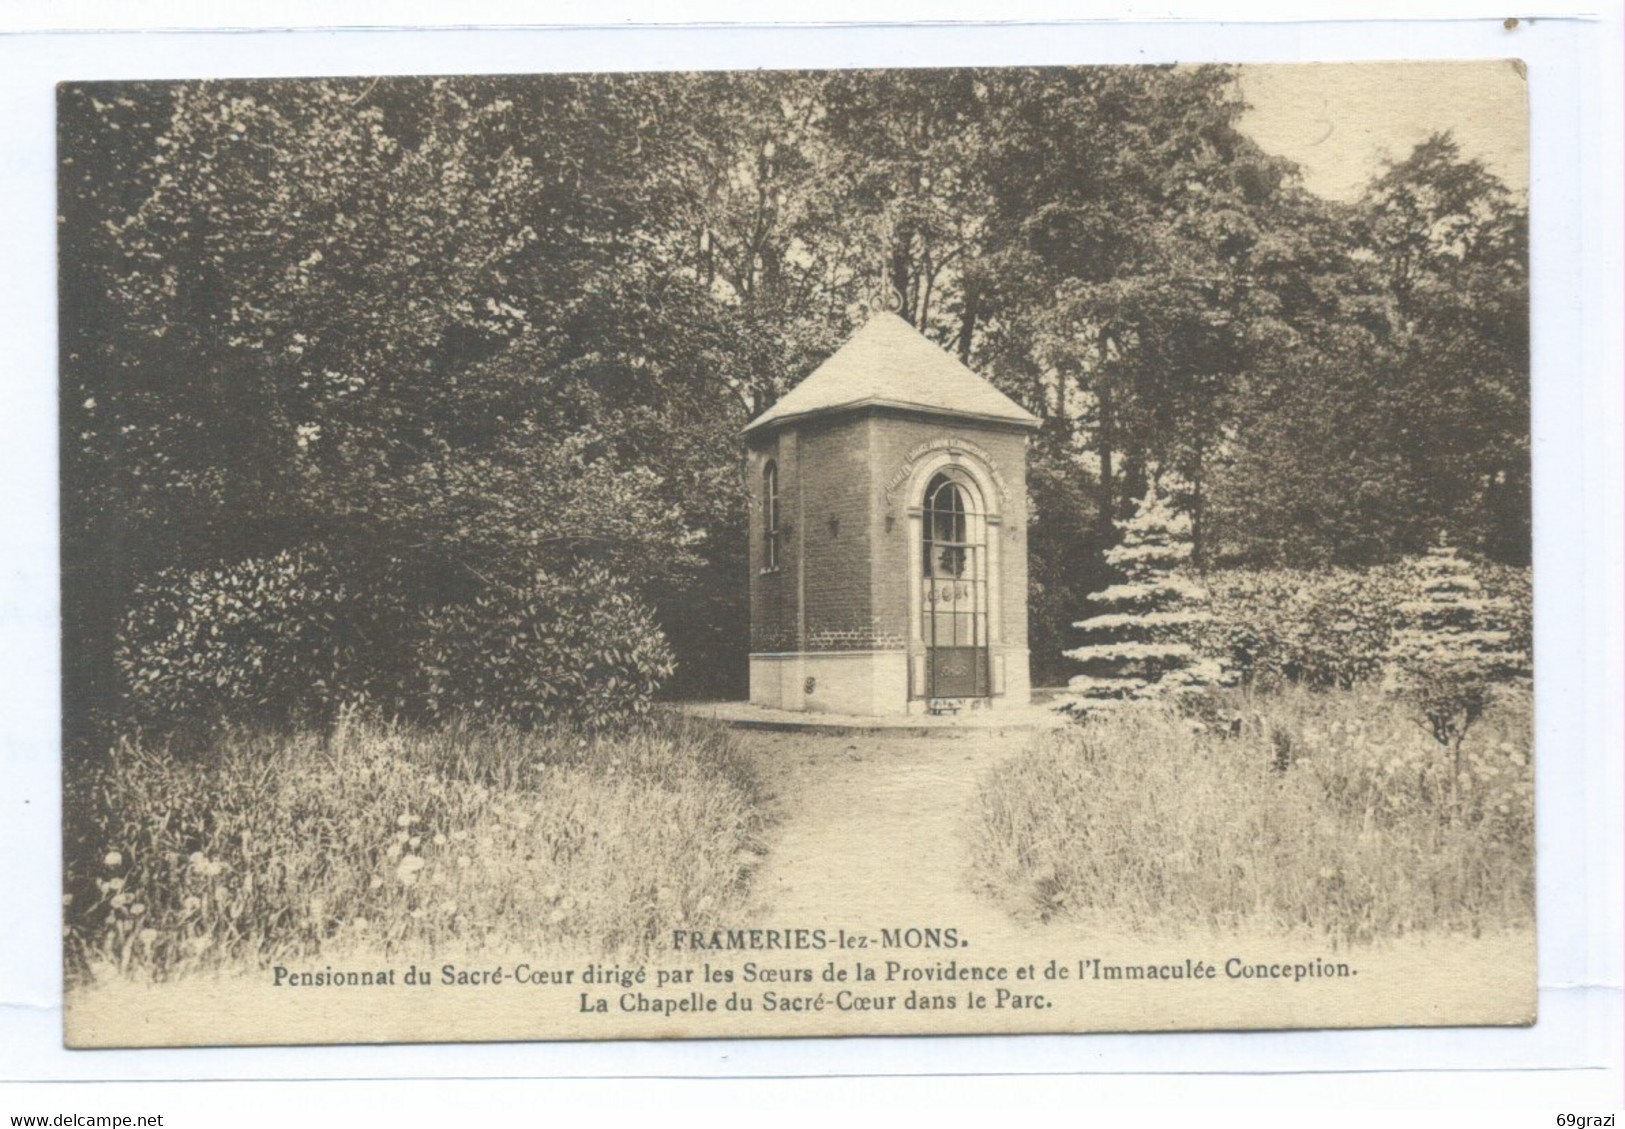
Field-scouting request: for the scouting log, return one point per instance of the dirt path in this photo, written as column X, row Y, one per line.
column 870, row 835
column 869, row 827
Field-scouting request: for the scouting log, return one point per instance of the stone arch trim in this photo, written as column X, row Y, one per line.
column 975, row 465
column 983, row 475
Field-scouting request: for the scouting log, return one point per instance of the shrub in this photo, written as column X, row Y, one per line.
column 578, row 648
column 397, row 840
column 255, row 640
column 1334, row 628
column 285, row 640
column 1330, row 814
column 1326, row 628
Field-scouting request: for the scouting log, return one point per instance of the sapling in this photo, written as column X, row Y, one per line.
column 1450, row 650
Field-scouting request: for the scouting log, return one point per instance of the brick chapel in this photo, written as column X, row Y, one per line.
column 888, row 556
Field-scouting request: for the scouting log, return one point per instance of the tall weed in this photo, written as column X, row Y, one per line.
column 1328, row 814
column 389, row 839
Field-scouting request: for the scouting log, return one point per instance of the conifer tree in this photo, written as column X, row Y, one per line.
column 1138, row 643
column 1450, row 648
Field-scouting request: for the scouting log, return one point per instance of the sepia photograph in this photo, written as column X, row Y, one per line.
column 796, row 553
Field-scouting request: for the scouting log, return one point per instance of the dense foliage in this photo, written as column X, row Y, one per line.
column 428, row 338
column 1324, row 628
column 1340, row 628
column 580, row 648
column 256, row 639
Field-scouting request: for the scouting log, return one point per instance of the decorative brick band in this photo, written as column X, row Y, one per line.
column 871, row 638
column 767, row 640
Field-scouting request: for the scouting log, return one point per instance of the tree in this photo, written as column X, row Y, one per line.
column 440, row 334
column 382, row 319
column 1127, row 206
column 1138, row 644
column 1452, row 245
column 1389, row 396
column 1451, row 649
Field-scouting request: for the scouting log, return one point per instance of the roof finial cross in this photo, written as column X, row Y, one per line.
column 885, row 295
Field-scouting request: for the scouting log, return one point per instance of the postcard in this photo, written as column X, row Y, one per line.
column 796, row 553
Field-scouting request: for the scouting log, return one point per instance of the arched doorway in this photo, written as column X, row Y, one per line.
column 955, row 592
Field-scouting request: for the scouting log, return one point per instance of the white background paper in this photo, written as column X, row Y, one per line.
column 1575, row 101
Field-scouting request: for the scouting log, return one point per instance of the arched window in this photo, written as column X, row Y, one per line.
column 770, row 515
column 954, row 563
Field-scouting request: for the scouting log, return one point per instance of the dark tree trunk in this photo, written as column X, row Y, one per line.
column 967, row 323
column 1198, row 525
column 1104, row 442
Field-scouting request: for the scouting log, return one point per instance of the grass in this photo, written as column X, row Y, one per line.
column 262, row 848
column 1330, row 814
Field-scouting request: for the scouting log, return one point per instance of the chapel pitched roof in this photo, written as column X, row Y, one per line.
column 889, row 364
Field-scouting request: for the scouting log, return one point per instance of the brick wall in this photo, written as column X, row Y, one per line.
column 875, row 637
column 894, row 439
column 834, row 502
column 843, row 579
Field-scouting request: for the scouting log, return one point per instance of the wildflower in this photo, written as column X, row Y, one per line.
column 405, row 819
column 318, row 907
column 439, row 839
column 361, row 925
column 464, row 862
column 556, row 917
column 459, row 835
column 408, row 870
column 114, row 884
column 449, row 909
column 67, row 899
column 137, row 910
column 551, row 891
column 204, row 866
column 113, row 858
column 147, row 936
column 415, row 842
column 120, row 901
